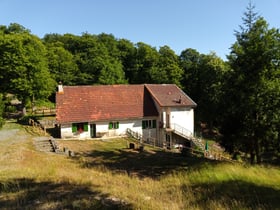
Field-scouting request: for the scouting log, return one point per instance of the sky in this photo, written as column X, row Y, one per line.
column 205, row 25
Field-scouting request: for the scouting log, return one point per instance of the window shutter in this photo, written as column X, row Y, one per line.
column 149, row 123
column 85, row 127
column 143, row 124
column 154, row 123
column 74, row 128
column 110, row 125
column 117, row 125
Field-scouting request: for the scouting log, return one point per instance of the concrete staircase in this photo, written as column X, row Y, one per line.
column 185, row 133
column 45, row 144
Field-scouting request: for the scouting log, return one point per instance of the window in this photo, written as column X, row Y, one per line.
column 148, row 124
column 113, row 125
column 79, row 127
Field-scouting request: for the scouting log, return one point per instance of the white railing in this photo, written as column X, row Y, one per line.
column 137, row 136
column 187, row 134
column 181, row 130
column 134, row 135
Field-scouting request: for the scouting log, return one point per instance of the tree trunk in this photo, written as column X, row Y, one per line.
column 24, row 110
column 257, row 149
column 252, row 151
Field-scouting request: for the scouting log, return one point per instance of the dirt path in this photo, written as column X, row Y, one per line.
column 13, row 132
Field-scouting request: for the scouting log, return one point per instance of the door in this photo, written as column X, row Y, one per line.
column 93, row 130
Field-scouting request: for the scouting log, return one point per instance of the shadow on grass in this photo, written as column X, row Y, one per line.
column 235, row 194
column 147, row 163
column 29, row 194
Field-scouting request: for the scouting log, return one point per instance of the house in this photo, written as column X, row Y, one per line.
column 162, row 112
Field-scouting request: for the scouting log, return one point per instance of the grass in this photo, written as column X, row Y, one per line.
column 108, row 175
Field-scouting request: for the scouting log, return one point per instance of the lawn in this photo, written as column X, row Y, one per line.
column 109, row 175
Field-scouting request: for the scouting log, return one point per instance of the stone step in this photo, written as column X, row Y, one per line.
column 44, row 145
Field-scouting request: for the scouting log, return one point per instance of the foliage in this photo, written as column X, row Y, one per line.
column 252, row 117
column 146, row 61
column 23, row 67
column 204, row 76
column 169, row 70
column 61, row 64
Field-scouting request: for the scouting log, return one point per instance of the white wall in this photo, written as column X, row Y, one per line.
column 102, row 130
column 66, row 133
column 183, row 117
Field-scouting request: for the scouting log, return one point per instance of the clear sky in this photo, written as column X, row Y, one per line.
column 204, row 25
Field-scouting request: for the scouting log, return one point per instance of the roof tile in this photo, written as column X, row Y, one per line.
column 170, row 95
column 103, row 102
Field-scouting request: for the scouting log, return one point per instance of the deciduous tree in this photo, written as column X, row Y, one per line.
column 169, row 69
column 203, row 80
column 62, row 64
column 23, row 67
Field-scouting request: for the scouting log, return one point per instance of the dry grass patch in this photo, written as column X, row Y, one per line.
column 108, row 175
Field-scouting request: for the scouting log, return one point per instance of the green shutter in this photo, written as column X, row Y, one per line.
column 143, row 124
column 110, row 125
column 85, row 127
column 74, row 128
column 117, row 127
column 154, row 123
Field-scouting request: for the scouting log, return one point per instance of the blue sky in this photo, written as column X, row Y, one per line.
column 204, row 25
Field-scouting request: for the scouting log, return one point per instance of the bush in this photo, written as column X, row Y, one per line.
column 25, row 119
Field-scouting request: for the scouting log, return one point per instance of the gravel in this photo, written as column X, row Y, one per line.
column 8, row 134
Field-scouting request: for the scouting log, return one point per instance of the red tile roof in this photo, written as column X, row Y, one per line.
column 170, row 95
column 116, row 102
column 103, row 102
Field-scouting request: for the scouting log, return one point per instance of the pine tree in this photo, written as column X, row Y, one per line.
column 253, row 90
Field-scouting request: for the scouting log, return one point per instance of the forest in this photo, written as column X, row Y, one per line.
column 238, row 98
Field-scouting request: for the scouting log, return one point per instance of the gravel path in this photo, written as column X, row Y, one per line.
column 8, row 134
column 13, row 132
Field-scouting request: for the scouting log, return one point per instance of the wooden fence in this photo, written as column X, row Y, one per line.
column 44, row 112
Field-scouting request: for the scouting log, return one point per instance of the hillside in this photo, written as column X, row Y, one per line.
column 108, row 175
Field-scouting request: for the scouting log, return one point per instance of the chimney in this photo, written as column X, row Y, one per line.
column 60, row 88
column 180, row 100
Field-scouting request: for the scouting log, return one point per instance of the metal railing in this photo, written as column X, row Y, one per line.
column 134, row 135
column 187, row 134
column 181, row 130
column 139, row 137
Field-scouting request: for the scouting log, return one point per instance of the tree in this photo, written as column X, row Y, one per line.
column 204, row 78
column 169, row 69
column 146, row 63
column 61, row 64
column 252, row 117
column 127, row 56
column 111, row 44
column 111, row 73
column 14, row 28
column 24, row 68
